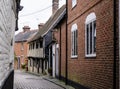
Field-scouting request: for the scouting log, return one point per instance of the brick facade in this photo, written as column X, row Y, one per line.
column 97, row 72
column 21, row 46
column 20, row 52
column 60, row 36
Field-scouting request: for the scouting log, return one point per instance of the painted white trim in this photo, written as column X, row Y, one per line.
column 74, row 3
column 90, row 55
column 75, row 56
column 90, row 18
column 73, row 28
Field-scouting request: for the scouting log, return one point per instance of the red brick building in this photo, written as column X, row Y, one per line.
column 90, row 43
column 88, row 52
column 21, row 46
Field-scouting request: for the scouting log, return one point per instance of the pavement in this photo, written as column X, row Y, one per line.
column 23, row 80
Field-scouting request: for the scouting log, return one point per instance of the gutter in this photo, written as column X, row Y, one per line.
column 66, row 72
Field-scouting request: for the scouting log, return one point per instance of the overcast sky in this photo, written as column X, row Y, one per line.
column 35, row 12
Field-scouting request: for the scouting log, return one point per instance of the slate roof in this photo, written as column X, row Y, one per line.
column 51, row 23
column 24, row 36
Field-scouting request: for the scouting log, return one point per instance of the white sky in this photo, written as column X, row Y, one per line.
column 26, row 16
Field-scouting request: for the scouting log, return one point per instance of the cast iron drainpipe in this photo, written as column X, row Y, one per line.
column 114, row 28
column 66, row 74
column 60, row 56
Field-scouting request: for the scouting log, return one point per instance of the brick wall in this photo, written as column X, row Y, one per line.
column 22, row 53
column 7, row 28
column 94, row 73
column 62, row 46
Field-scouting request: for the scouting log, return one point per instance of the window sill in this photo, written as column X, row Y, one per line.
column 90, row 56
column 74, row 57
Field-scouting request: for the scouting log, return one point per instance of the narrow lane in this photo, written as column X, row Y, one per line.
column 28, row 81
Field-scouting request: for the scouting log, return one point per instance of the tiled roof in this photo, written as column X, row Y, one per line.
column 50, row 24
column 24, row 36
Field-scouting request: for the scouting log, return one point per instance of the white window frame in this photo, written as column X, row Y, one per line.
column 74, row 49
column 90, row 18
column 74, row 3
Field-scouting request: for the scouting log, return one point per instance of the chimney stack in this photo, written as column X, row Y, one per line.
column 55, row 6
column 26, row 28
column 40, row 25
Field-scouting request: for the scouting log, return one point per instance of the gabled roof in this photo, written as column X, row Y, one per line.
column 24, row 36
column 51, row 23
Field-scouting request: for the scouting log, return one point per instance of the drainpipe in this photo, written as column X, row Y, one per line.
column 60, row 56
column 66, row 74
column 114, row 28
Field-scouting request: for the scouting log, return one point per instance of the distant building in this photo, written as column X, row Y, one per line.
column 21, row 46
column 39, row 45
column 35, row 53
column 8, row 25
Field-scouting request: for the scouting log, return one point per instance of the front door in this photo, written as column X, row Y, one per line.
column 53, row 60
column 57, row 60
column 18, row 64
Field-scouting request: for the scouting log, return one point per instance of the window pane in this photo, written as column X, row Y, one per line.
column 41, row 44
column 87, row 30
column 94, row 36
column 71, row 43
column 76, row 42
column 36, row 45
column 91, row 38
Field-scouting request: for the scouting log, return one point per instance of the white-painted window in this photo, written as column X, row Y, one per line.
column 74, row 3
column 90, row 35
column 74, row 43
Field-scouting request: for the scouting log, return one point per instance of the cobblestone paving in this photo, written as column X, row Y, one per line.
column 27, row 81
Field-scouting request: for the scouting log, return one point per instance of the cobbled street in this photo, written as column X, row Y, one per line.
column 24, row 80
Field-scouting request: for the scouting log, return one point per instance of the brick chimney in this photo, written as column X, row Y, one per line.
column 26, row 28
column 40, row 25
column 55, row 5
